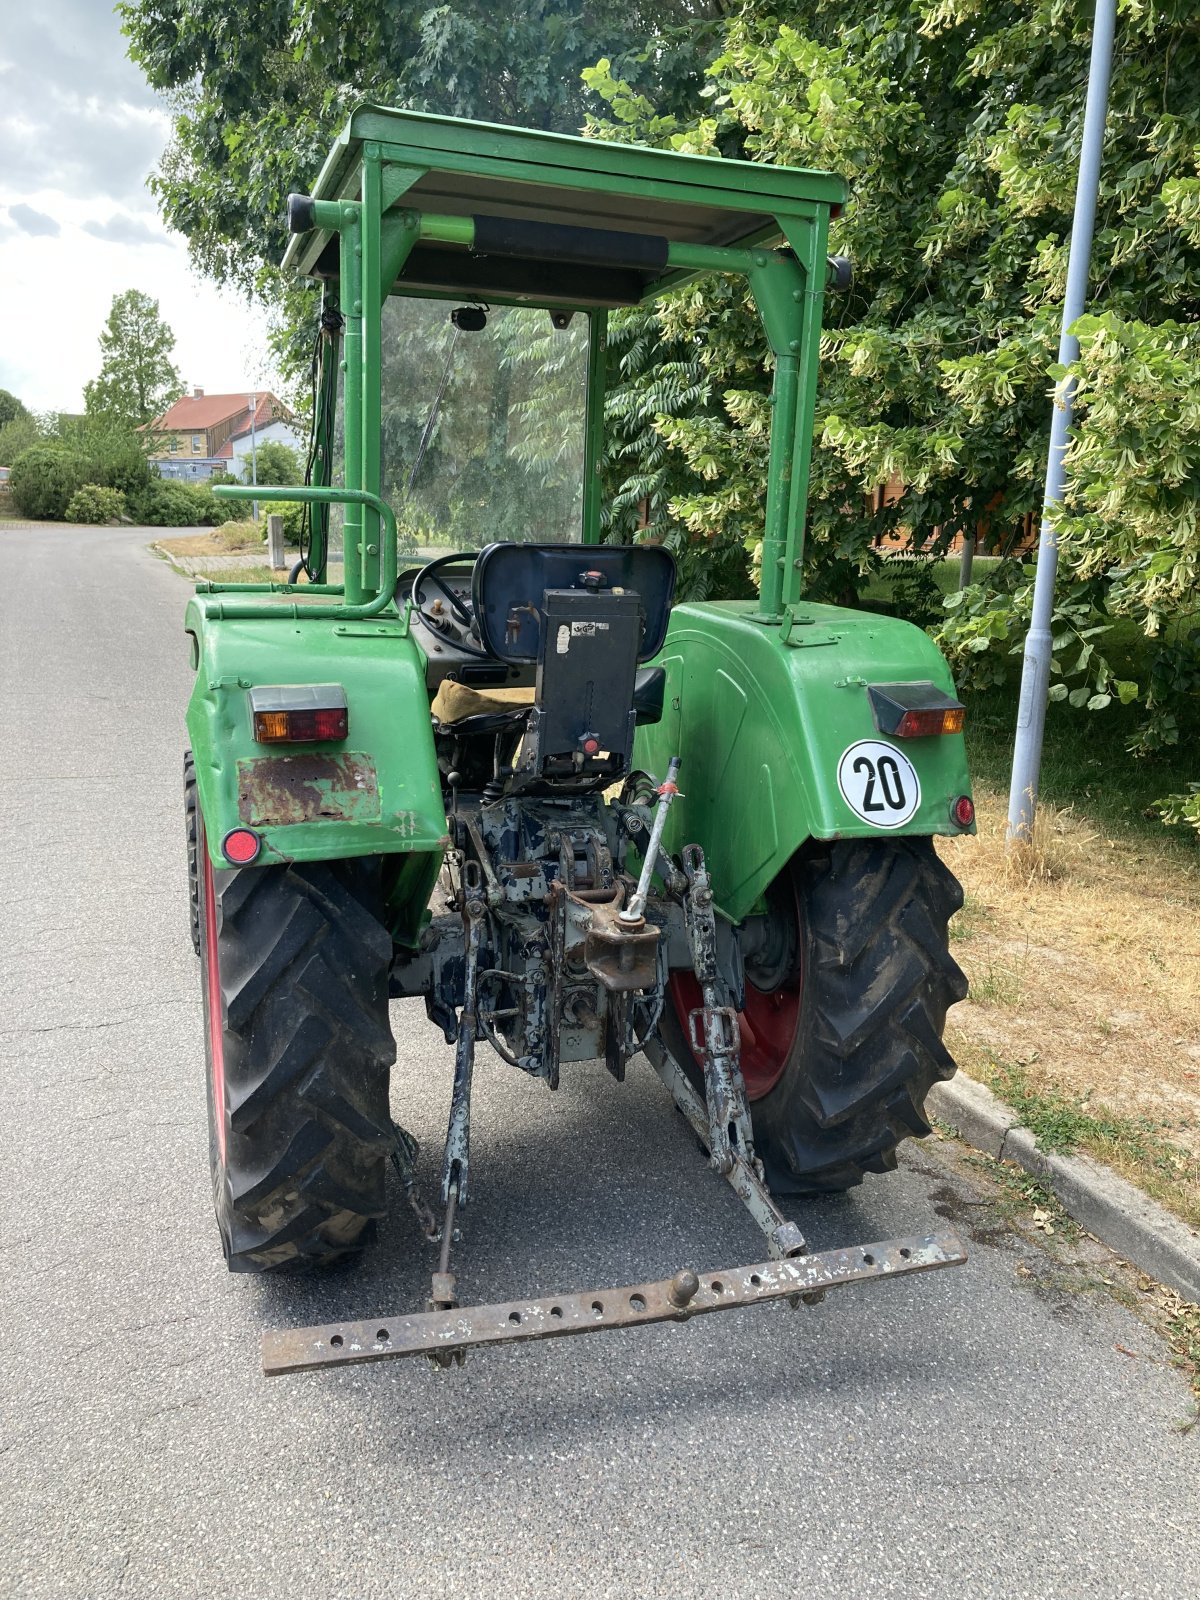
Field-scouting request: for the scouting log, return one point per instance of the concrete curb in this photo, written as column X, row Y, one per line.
column 1119, row 1214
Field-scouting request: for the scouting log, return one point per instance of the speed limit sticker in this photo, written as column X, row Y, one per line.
column 879, row 783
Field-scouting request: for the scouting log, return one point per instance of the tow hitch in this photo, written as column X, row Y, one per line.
column 446, row 1335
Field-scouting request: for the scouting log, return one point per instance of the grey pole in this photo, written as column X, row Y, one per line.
column 966, row 560
column 253, row 454
column 1035, row 671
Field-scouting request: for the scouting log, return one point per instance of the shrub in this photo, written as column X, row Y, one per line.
column 293, row 520
column 274, row 463
column 117, row 461
column 164, row 504
column 43, row 480
column 95, row 504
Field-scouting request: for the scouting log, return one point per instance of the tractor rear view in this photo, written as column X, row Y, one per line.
column 583, row 821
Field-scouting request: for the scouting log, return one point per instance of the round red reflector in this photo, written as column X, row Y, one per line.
column 590, row 746
column 240, row 845
column 963, row 811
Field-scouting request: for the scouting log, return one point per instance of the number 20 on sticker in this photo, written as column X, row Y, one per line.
column 879, row 783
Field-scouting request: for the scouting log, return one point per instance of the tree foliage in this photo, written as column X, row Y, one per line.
column 21, row 434
column 261, row 90
column 275, row 463
column 138, row 379
column 958, row 124
column 10, row 408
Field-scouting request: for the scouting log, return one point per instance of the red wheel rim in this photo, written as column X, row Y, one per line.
column 767, row 1024
column 212, row 988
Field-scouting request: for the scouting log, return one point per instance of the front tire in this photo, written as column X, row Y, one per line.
column 843, row 1042
column 294, row 974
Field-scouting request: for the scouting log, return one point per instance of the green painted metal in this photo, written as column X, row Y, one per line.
column 350, row 283
column 761, row 714
column 370, row 423
column 351, row 610
column 484, row 168
column 383, row 673
column 762, row 724
column 809, row 238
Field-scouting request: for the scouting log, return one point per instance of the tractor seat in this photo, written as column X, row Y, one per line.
column 459, row 709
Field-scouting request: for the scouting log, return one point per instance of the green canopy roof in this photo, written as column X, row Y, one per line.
column 440, row 165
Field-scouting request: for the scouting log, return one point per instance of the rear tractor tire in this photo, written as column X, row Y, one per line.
column 191, row 818
column 294, row 974
column 845, row 1003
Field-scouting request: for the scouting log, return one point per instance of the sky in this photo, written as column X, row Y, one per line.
column 80, row 134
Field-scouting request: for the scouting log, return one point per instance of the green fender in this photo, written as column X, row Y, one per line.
column 378, row 793
column 761, row 717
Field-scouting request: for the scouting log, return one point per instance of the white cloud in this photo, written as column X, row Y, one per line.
column 35, row 223
column 80, row 134
column 123, row 229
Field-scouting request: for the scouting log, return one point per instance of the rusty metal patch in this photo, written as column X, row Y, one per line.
column 274, row 791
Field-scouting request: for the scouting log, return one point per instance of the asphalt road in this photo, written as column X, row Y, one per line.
column 967, row 1433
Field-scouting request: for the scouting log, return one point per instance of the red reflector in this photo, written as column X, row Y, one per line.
column 590, row 746
column 963, row 811
column 920, row 724
column 241, row 845
column 301, row 727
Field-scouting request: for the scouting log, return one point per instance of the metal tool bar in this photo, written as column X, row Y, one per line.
column 676, row 1299
column 667, row 791
column 783, row 1236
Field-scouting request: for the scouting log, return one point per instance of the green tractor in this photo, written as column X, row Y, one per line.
column 581, row 821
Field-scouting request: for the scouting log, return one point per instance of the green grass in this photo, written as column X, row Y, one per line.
column 247, row 574
column 1134, row 1146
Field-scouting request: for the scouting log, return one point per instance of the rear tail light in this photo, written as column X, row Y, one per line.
column 920, row 724
column 914, row 710
column 299, row 713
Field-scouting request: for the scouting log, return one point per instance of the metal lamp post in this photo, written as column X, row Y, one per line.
column 252, row 403
column 1035, row 672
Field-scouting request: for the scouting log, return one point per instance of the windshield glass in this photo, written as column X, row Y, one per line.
column 492, row 421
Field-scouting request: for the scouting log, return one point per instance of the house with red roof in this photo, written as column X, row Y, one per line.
column 207, row 433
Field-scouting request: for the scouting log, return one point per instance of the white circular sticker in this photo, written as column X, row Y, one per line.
column 879, row 783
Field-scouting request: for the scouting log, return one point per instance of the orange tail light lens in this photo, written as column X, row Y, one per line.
column 299, row 713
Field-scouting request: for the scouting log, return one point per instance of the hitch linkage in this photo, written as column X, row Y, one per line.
column 713, row 1027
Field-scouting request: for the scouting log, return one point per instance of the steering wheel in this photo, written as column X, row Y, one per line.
column 430, row 573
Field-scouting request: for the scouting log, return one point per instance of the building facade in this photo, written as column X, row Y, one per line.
column 203, row 434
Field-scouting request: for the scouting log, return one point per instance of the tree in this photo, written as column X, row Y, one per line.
column 11, row 409
column 958, row 127
column 138, row 379
column 275, row 463
column 257, row 107
column 22, row 433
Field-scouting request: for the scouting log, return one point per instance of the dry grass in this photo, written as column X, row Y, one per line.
column 217, row 541
column 1083, row 953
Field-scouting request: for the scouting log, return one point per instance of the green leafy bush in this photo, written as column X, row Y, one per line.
column 43, row 480
column 117, row 460
column 95, row 504
column 164, row 504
